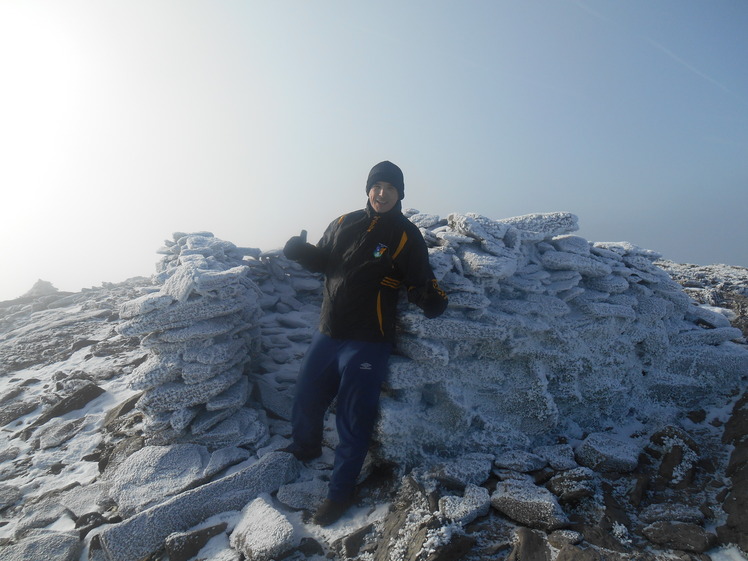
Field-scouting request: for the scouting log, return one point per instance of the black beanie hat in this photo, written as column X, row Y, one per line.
column 389, row 172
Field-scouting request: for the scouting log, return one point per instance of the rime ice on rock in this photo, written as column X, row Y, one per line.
column 528, row 504
column 262, row 533
column 475, row 502
column 200, row 328
column 545, row 332
column 226, row 325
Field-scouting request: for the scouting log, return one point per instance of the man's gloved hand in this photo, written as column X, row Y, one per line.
column 296, row 247
column 433, row 304
column 430, row 298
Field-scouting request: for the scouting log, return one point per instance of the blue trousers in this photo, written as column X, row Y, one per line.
column 353, row 371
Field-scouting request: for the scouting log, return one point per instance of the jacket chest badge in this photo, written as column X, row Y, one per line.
column 380, row 250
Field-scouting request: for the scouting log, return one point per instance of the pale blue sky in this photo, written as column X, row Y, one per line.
column 124, row 121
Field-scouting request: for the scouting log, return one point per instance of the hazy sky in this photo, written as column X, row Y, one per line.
column 124, row 121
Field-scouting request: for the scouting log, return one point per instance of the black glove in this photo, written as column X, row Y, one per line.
column 430, row 298
column 433, row 304
column 296, row 247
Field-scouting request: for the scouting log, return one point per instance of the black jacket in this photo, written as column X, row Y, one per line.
column 366, row 257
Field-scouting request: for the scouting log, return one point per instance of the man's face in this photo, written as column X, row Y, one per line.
column 383, row 196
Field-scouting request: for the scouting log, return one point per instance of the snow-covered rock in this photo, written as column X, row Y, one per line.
column 474, row 502
column 533, row 506
column 263, row 533
column 568, row 334
column 199, row 327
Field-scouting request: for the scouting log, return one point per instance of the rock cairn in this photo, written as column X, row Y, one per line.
column 199, row 326
column 546, row 333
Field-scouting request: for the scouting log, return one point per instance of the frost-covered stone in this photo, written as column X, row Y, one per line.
column 45, row 544
column 463, row 510
column 144, row 533
column 305, row 495
column 484, row 265
column 144, row 305
column 9, row 495
column 471, row 469
column 179, row 315
column 573, row 485
column 671, row 512
column 603, row 452
column 540, row 226
column 223, row 458
column 202, row 328
column 587, row 266
column 424, row 350
column 528, row 504
column 239, row 428
column 424, row 220
column 177, row 395
column 154, row 473
column 559, row 456
column 262, row 533
column 544, row 331
column 519, row 460
column 573, row 332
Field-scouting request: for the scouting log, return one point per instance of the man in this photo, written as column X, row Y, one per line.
column 366, row 256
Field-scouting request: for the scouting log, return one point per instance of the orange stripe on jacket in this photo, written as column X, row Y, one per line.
column 403, row 241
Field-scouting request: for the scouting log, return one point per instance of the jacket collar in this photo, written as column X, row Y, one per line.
column 395, row 211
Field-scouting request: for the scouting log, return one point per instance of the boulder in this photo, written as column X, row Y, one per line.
column 145, row 532
column 528, row 504
column 679, row 535
column 262, row 533
column 603, row 452
column 45, row 544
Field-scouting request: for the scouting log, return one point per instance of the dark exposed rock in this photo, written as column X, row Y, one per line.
column 81, row 344
column 181, row 546
column 15, row 410
column 88, row 522
column 310, row 547
column 638, row 488
column 82, row 396
column 403, row 527
column 9, row 495
column 670, row 512
column 679, row 535
column 531, row 545
column 458, row 546
column 573, row 485
column 350, row 545
column 602, row 536
column 10, row 395
column 735, row 504
column 560, row 538
column 120, row 410
column 571, row 552
column 677, row 454
column 602, row 452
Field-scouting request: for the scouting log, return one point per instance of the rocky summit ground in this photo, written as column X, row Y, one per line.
column 80, row 480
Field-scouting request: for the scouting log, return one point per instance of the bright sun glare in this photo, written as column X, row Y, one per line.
column 39, row 98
